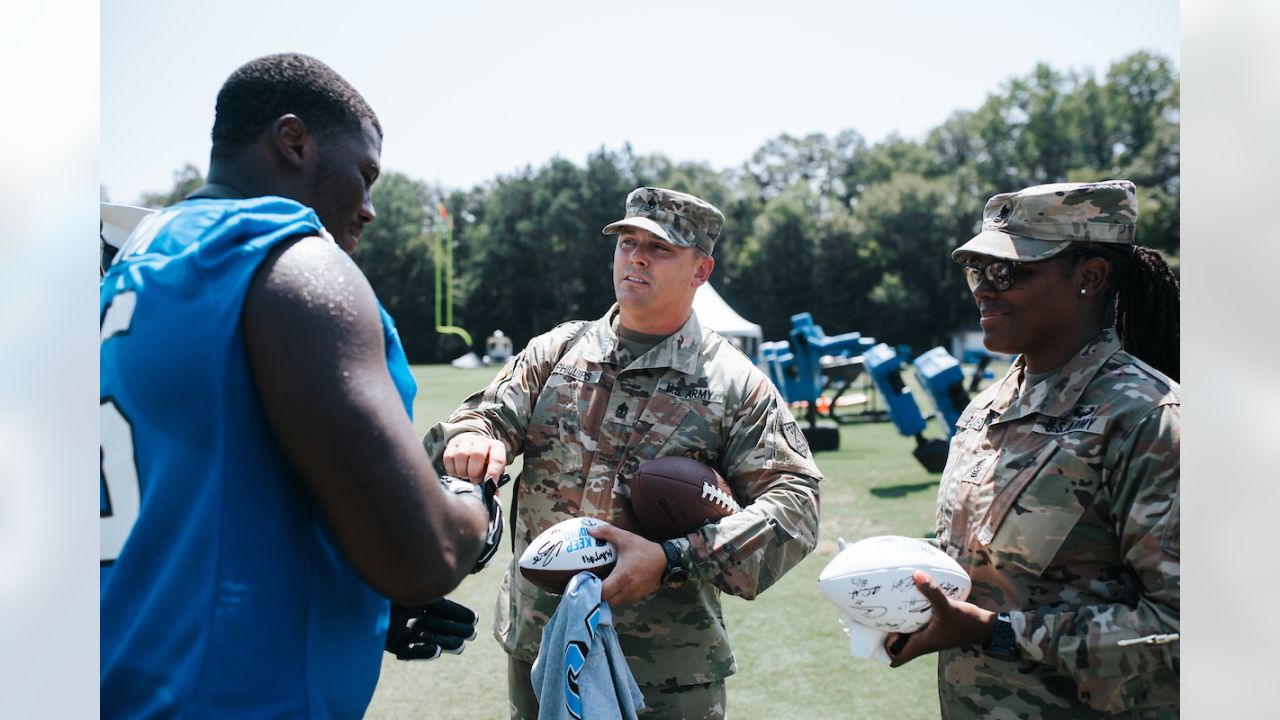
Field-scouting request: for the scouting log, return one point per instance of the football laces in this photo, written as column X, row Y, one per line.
column 719, row 497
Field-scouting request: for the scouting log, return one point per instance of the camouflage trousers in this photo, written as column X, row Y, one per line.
column 668, row 702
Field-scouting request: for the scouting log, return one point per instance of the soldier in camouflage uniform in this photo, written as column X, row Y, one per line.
column 586, row 404
column 1060, row 495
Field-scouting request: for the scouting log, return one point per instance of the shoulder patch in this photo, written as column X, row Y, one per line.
column 795, row 438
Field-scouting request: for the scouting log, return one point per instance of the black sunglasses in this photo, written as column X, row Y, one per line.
column 999, row 274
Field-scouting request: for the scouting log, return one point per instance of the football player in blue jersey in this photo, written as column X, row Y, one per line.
column 263, row 491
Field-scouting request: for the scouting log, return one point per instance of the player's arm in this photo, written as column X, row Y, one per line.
column 771, row 468
column 315, row 347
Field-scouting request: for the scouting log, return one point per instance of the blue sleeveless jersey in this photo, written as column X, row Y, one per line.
column 223, row 593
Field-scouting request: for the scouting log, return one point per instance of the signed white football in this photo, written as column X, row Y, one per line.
column 870, row 581
column 564, row 550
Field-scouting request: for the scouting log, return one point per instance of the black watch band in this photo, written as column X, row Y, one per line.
column 1003, row 643
column 675, row 573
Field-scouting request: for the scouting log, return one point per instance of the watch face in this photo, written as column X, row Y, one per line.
column 1003, row 643
column 675, row 577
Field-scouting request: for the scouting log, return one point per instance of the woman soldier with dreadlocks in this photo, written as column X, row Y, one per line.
column 1060, row 495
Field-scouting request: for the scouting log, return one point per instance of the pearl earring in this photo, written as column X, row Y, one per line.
column 1081, row 291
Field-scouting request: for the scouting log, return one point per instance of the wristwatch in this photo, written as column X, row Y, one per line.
column 1002, row 643
column 676, row 573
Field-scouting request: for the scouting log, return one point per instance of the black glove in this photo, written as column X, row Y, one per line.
column 493, row 538
column 423, row 632
column 487, row 493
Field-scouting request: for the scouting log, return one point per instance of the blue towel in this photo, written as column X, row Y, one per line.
column 580, row 671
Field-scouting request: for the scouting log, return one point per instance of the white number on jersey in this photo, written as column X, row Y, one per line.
column 119, row 467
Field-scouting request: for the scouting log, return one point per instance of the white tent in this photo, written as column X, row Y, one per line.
column 715, row 313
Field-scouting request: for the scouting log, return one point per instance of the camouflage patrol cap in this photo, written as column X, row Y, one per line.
column 1041, row 221
column 678, row 218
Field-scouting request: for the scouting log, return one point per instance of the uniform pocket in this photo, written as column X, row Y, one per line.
column 554, row 425
column 1135, row 691
column 1030, row 518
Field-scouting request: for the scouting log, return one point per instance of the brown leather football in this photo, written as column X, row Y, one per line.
column 673, row 496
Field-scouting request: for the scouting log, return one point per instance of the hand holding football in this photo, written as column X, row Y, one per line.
column 564, row 550
column 870, row 581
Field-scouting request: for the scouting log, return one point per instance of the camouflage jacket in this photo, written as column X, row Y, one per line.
column 585, row 415
column 1062, row 504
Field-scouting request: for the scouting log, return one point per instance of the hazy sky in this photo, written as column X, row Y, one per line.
column 470, row 90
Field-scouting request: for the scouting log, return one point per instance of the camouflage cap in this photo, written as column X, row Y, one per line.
column 678, row 218
column 1041, row 221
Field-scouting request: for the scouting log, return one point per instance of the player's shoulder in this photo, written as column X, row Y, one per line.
column 304, row 252
column 221, row 231
column 238, row 216
column 311, row 275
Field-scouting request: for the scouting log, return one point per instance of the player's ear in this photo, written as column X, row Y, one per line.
column 291, row 140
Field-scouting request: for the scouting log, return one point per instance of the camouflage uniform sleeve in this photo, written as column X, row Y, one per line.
column 502, row 409
column 768, row 461
column 1084, row 643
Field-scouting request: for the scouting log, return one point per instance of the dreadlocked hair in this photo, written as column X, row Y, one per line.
column 1145, row 300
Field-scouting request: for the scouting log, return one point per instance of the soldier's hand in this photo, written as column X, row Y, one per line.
column 423, row 632
column 955, row 623
column 639, row 569
column 475, row 457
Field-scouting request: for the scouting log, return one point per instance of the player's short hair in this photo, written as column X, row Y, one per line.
column 262, row 90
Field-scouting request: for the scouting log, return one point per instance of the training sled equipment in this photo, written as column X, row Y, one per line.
column 810, row 362
column 885, row 368
column 941, row 375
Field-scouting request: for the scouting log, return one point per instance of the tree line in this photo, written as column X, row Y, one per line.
column 859, row 234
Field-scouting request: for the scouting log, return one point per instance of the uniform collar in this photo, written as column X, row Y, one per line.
column 679, row 351
column 1058, row 395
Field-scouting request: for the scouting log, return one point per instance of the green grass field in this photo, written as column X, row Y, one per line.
column 793, row 658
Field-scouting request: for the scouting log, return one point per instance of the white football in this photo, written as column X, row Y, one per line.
column 564, row 550
column 870, row 581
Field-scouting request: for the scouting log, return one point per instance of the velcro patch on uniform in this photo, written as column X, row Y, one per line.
column 973, row 419
column 795, row 438
column 577, row 373
column 690, row 392
column 1081, row 411
column 1094, row 425
column 975, row 473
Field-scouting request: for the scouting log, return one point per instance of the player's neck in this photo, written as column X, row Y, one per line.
column 223, row 180
column 251, row 175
